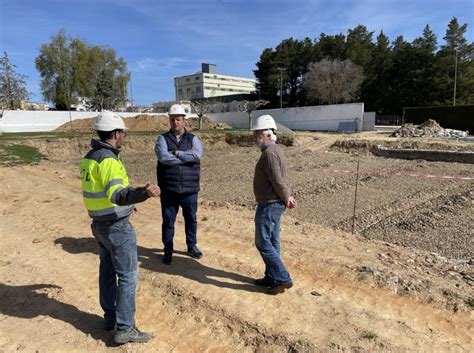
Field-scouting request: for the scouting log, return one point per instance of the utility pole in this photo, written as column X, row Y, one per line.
column 455, row 74
column 131, row 94
column 281, row 87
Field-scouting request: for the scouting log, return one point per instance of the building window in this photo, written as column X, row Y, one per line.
column 180, row 91
column 188, row 79
column 196, row 78
column 188, row 89
column 198, row 89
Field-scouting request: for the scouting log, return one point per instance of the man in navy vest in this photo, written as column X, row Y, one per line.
column 179, row 157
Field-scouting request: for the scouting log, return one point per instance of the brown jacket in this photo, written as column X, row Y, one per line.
column 270, row 182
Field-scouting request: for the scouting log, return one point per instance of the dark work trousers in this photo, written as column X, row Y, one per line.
column 170, row 203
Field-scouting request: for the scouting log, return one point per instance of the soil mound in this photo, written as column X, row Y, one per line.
column 142, row 122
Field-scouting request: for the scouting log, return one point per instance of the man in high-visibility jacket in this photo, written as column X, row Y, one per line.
column 109, row 201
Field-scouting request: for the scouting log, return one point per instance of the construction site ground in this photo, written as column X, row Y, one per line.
column 403, row 282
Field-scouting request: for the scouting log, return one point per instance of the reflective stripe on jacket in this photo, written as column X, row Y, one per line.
column 103, row 176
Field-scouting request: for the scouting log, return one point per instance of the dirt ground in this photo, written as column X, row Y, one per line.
column 402, row 283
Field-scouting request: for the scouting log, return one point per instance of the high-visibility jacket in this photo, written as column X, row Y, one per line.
column 105, row 189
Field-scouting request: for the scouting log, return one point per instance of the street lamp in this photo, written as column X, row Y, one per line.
column 455, row 74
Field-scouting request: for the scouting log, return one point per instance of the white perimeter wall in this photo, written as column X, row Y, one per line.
column 38, row 120
column 368, row 122
column 322, row 117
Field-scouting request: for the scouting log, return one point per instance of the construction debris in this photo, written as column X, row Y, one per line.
column 429, row 128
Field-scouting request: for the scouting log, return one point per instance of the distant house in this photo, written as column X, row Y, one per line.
column 26, row 105
column 163, row 107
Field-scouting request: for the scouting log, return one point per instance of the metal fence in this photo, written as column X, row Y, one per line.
column 388, row 119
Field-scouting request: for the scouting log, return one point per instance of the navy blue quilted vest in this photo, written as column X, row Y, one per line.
column 182, row 178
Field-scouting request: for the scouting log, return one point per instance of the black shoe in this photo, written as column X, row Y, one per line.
column 279, row 287
column 194, row 252
column 264, row 282
column 133, row 335
column 168, row 254
column 109, row 325
column 168, row 258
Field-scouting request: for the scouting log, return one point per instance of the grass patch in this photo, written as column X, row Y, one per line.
column 15, row 136
column 368, row 335
column 470, row 303
column 19, row 155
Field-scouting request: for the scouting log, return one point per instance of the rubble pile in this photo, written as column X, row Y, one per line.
column 429, row 128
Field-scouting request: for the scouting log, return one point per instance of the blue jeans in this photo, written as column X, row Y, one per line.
column 267, row 240
column 118, row 271
column 170, row 203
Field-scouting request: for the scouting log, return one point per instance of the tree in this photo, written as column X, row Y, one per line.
column 280, row 71
column 71, row 68
column 375, row 86
column 112, row 78
column 293, row 56
column 333, row 81
column 397, row 73
column 458, row 54
column 267, row 84
column 54, row 64
column 428, row 41
column 454, row 36
column 359, row 46
column 202, row 106
column 12, row 85
column 331, row 47
column 249, row 107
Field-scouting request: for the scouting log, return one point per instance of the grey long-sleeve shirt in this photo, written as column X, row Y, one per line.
column 270, row 182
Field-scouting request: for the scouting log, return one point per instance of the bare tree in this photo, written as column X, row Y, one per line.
column 333, row 81
column 12, row 86
column 249, row 107
column 202, row 106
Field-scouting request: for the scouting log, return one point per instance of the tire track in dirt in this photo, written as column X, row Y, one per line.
column 228, row 329
column 211, row 304
column 415, row 201
column 420, row 211
column 349, row 298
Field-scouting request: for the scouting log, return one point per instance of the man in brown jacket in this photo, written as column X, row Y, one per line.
column 273, row 195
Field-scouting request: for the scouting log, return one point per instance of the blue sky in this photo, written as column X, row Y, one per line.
column 163, row 39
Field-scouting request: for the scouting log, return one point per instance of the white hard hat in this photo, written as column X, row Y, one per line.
column 264, row 122
column 108, row 121
column 177, row 109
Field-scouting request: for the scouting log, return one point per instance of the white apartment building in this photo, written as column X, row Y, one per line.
column 209, row 84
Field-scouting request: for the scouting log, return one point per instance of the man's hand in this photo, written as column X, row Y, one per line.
column 152, row 190
column 291, row 202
